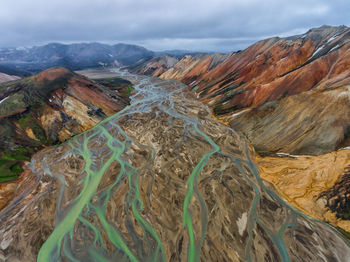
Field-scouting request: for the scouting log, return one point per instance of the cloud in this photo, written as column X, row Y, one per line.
column 219, row 25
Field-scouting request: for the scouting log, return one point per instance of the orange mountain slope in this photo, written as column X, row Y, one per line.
column 276, row 69
column 47, row 109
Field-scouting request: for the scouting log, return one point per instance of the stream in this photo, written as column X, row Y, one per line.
column 114, row 207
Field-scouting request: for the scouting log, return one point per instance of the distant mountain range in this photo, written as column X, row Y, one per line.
column 178, row 53
column 162, row 180
column 27, row 61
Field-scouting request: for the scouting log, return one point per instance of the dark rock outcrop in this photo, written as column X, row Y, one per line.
column 338, row 197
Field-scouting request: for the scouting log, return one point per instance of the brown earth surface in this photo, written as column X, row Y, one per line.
column 272, row 70
column 44, row 110
column 286, row 95
column 302, row 180
column 166, row 181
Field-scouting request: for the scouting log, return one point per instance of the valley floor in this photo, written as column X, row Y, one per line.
column 162, row 181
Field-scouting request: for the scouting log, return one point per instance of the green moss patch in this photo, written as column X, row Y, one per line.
column 12, row 104
column 9, row 169
column 123, row 86
column 20, row 154
column 27, row 120
column 23, row 101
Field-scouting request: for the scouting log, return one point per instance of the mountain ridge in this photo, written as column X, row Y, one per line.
column 7, row 78
column 48, row 108
column 25, row 61
column 270, row 71
column 214, row 190
column 72, row 56
column 290, row 97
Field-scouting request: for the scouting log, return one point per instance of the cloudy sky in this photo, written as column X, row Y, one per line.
column 203, row 25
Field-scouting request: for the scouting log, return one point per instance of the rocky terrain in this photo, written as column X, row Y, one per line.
column 313, row 122
column 286, row 95
column 7, row 78
column 160, row 181
column 49, row 108
column 318, row 185
column 26, row 61
column 156, row 66
column 272, row 70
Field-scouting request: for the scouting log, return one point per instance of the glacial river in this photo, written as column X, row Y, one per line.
column 116, row 206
